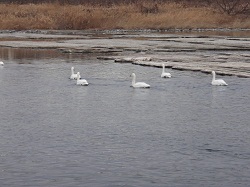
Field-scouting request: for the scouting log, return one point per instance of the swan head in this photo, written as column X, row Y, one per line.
column 132, row 75
column 78, row 75
column 72, row 68
column 213, row 72
column 1, row 63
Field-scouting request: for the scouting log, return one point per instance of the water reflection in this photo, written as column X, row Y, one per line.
column 29, row 56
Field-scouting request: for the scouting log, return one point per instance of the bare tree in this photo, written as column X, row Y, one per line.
column 234, row 7
column 149, row 9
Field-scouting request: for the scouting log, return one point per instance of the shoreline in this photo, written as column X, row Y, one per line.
column 227, row 55
column 116, row 31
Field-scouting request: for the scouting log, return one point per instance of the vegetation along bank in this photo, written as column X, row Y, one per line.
column 123, row 14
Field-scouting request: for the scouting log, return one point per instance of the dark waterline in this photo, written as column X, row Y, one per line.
column 180, row 132
column 198, row 32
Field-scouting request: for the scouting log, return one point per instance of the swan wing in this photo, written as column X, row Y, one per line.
column 166, row 75
column 74, row 76
column 82, row 82
column 141, row 85
column 219, row 82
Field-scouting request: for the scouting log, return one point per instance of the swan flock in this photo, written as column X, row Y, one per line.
column 79, row 81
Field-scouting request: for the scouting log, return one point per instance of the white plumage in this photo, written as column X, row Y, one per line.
column 218, row 82
column 1, row 63
column 138, row 84
column 164, row 74
column 73, row 74
column 81, row 82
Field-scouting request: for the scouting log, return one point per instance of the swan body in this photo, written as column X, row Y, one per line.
column 1, row 63
column 138, row 84
column 73, row 74
column 164, row 74
column 81, row 82
column 218, row 82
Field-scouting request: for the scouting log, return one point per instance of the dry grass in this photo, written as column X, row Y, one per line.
column 169, row 16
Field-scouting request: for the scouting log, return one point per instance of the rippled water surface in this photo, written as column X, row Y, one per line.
column 180, row 132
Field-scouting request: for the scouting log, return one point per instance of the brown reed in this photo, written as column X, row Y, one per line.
column 123, row 16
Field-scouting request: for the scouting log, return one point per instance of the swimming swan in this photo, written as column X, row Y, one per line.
column 218, row 82
column 81, row 82
column 73, row 74
column 164, row 74
column 1, row 63
column 138, row 84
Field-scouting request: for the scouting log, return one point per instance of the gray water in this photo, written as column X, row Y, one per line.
column 181, row 132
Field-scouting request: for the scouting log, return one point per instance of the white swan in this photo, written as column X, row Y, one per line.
column 73, row 74
column 164, row 74
column 138, row 84
column 218, row 82
column 1, row 63
column 81, row 82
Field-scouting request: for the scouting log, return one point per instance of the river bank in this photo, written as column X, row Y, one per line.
column 225, row 54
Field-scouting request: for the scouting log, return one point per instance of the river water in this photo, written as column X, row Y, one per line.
column 181, row 132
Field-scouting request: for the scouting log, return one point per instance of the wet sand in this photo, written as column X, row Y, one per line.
column 225, row 54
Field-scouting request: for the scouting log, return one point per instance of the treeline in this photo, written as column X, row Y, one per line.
column 108, row 2
column 230, row 7
column 116, row 14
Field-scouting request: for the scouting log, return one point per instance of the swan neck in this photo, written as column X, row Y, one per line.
column 213, row 76
column 72, row 71
column 163, row 69
column 133, row 79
